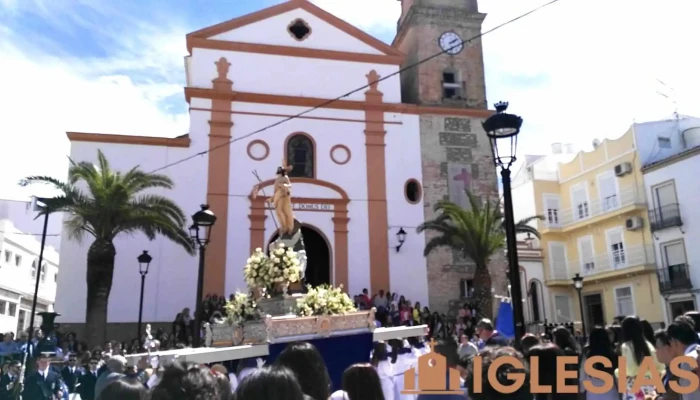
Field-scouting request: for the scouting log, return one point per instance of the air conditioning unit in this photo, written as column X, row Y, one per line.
column 623, row 169
column 634, row 223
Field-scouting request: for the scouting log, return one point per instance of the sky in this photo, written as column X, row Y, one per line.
column 575, row 71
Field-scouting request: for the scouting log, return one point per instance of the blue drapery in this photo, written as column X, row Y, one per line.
column 504, row 320
column 338, row 352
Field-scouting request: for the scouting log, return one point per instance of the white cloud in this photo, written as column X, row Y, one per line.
column 46, row 93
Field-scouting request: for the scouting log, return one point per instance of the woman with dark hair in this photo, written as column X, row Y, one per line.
column 634, row 349
column 547, row 355
column 304, row 360
column 599, row 346
column 125, row 389
column 182, row 382
column 563, row 338
column 276, row 383
column 648, row 331
column 361, row 382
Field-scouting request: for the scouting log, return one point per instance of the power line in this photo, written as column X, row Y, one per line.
column 30, row 234
column 325, row 103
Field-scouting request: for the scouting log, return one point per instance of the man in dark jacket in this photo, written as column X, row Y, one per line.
column 71, row 373
column 87, row 381
column 490, row 335
column 44, row 383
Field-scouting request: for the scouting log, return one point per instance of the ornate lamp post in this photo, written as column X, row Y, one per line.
column 502, row 130
column 578, row 285
column 144, row 262
column 401, row 237
column 200, row 232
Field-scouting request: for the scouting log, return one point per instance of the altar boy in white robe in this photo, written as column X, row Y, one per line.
column 382, row 363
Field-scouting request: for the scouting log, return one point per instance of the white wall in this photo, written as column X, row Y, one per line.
column 408, row 270
column 273, row 31
column 684, row 173
column 172, row 271
column 647, row 134
column 293, row 76
column 17, row 281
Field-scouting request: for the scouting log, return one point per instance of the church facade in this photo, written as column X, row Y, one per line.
column 260, row 91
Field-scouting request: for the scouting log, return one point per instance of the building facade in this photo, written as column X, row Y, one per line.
column 356, row 176
column 674, row 221
column 19, row 261
column 595, row 213
column 536, row 306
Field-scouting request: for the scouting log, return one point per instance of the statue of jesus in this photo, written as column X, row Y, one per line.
column 281, row 200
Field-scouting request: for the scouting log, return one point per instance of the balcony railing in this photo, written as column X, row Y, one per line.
column 674, row 277
column 605, row 262
column 627, row 196
column 664, row 217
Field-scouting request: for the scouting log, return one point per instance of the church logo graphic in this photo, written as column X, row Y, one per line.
column 433, row 376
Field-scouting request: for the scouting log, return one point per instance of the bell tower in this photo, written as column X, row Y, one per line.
column 454, row 79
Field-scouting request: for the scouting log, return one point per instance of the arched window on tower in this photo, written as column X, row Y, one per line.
column 452, row 85
column 300, row 155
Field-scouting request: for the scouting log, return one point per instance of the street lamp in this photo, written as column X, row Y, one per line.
column 200, row 232
column 502, row 130
column 401, row 236
column 144, row 262
column 578, row 285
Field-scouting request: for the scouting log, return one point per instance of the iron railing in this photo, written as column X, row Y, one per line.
column 664, row 217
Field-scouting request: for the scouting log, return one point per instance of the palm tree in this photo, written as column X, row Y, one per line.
column 112, row 203
column 477, row 233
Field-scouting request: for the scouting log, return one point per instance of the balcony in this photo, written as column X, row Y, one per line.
column 664, row 217
column 609, row 264
column 627, row 199
column 674, row 277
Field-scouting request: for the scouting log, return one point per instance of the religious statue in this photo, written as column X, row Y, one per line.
column 148, row 343
column 281, row 200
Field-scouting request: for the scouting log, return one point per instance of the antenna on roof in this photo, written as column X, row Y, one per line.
column 673, row 99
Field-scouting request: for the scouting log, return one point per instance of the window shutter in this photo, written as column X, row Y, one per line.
column 587, row 256
column 562, row 303
column 608, row 192
column 675, row 254
column 666, row 195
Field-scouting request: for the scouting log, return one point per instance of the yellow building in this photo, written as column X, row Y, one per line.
column 595, row 224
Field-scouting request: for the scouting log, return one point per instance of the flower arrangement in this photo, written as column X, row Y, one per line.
column 325, row 300
column 257, row 269
column 242, row 308
column 284, row 265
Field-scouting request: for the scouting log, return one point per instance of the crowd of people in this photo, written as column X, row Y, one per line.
column 395, row 310
column 300, row 373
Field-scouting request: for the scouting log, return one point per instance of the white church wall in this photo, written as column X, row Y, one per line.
column 408, row 271
column 293, row 76
column 273, row 31
column 172, row 269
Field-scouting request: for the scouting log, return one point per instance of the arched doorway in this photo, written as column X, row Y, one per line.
column 318, row 256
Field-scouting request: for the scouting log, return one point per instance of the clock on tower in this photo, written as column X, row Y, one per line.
column 455, row 78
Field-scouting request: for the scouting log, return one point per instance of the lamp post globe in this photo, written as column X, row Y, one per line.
column 502, row 130
column 578, row 285
column 202, row 223
column 144, row 260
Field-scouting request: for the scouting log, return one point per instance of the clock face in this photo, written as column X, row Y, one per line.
column 451, row 43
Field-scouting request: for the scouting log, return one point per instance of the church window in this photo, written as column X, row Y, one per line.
column 299, row 29
column 300, row 156
column 413, row 191
column 451, row 85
